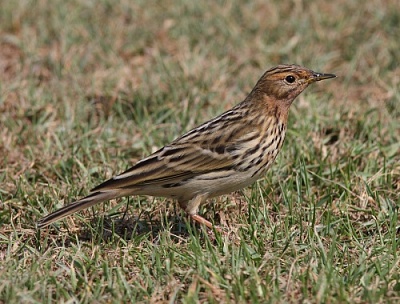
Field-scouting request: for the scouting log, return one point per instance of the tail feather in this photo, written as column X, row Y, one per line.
column 86, row 202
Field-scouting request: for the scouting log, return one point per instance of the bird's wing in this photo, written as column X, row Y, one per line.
column 169, row 165
column 195, row 153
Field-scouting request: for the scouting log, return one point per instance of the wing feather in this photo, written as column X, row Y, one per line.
column 182, row 159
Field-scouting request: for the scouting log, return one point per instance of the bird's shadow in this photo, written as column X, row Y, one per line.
column 106, row 229
column 125, row 229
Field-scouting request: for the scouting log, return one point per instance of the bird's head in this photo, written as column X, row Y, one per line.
column 284, row 83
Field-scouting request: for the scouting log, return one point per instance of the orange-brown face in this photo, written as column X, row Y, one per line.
column 286, row 82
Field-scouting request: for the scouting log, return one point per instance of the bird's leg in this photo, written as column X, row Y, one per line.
column 192, row 207
column 201, row 220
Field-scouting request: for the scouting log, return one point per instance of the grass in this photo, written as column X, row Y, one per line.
column 88, row 88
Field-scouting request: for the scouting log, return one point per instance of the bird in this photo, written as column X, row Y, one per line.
column 222, row 155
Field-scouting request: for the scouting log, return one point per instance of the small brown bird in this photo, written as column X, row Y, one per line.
column 222, row 155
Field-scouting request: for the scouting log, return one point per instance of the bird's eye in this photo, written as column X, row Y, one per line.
column 290, row 78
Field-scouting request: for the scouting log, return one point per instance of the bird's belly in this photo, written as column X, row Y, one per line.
column 215, row 184
column 210, row 184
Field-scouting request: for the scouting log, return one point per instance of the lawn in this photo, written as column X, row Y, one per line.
column 87, row 88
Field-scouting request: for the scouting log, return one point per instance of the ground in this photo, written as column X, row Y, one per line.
column 87, row 88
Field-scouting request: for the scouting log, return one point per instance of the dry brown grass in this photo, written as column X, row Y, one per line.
column 88, row 88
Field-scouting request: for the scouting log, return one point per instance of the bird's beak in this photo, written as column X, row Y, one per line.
column 320, row 76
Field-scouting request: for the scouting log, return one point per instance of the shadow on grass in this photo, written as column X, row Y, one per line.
column 124, row 229
column 129, row 228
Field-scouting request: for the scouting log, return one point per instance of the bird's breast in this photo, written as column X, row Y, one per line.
column 257, row 156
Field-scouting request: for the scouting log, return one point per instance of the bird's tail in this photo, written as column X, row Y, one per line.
column 86, row 202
